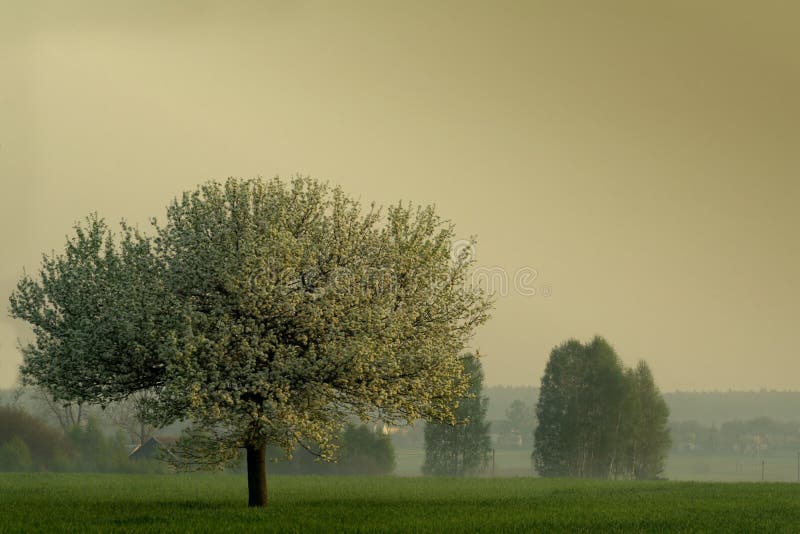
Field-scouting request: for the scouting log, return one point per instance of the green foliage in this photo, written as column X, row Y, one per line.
column 97, row 452
column 46, row 447
column 462, row 447
column 366, row 452
column 211, row 503
column 596, row 419
column 361, row 452
column 15, row 455
column 645, row 431
column 563, row 411
column 103, row 323
column 27, row 443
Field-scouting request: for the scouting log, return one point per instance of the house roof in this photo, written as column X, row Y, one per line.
column 153, row 446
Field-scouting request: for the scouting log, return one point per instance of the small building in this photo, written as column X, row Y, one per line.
column 154, row 448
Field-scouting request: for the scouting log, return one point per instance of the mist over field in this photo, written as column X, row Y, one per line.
column 418, row 266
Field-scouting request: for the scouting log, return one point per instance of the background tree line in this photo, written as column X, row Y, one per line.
column 754, row 437
column 707, row 408
column 91, row 444
column 29, row 444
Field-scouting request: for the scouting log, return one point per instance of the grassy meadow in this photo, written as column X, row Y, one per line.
column 180, row 503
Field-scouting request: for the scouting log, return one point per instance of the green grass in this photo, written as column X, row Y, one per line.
column 156, row 503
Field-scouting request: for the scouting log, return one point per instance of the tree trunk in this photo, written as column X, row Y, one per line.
column 257, row 475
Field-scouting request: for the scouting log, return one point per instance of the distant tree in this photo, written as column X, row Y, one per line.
column 648, row 438
column 523, row 420
column 686, row 434
column 260, row 311
column 501, row 397
column 595, row 419
column 130, row 416
column 362, row 451
column 560, row 413
column 68, row 415
column 365, row 452
column 605, row 398
column 461, row 447
column 713, row 438
column 96, row 452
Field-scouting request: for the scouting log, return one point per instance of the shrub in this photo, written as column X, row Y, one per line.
column 47, row 448
column 365, row 452
column 15, row 455
column 361, row 452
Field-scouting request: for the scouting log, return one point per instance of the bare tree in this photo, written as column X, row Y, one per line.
column 130, row 416
column 67, row 415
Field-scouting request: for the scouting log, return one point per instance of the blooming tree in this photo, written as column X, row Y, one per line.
column 102, row 319
column 272, row 311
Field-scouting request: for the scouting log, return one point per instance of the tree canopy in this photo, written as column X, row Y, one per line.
column 259, row 311
column 103, row 321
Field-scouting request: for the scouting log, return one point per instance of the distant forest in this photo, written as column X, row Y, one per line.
column 717, row 407
column 707, row 408
column 501, row 397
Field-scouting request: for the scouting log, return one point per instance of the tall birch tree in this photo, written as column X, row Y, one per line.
column 461, row 447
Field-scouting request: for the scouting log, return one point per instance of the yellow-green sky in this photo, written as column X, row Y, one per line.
column 643, row 157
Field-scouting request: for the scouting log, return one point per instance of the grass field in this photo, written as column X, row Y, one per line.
column 156, row 503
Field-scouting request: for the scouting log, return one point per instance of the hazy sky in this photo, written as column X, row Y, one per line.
column 642, row 157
